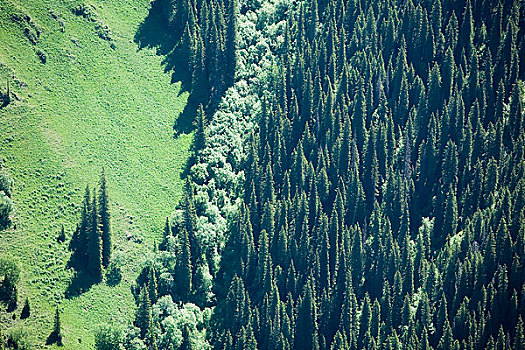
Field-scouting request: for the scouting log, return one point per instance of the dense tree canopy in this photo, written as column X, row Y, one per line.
column 378, row 200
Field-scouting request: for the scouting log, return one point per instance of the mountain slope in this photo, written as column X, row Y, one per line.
column 94, row 103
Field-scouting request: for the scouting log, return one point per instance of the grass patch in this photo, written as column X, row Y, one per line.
column 94, row 103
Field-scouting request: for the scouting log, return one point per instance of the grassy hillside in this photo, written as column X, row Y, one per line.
column 94, row 103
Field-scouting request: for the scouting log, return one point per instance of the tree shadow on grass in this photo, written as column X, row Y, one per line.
column 80, row 283
column 184, row 123
column 155, row 32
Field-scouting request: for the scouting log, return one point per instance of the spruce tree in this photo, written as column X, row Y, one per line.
column 105, row 220
column 519, row 338
column 199, row 139
column 306, row 328
column 95, row 244
column 143, row 317
column 183, row 268
column 230, row 41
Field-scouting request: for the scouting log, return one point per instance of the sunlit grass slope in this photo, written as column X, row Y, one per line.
column 94, row 103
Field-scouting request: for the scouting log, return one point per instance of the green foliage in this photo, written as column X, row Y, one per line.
column 48, row 146
column 183, row 268
column 114, row 270
column 42, row 56
column 384, row 135
column 200, row 136
column 20, row 339
column 181, row 324
column 143, row 316
column 6, row 204
column 92, row 242
column 6, row 207
column 6, row 182
column 109, row 337
column 9, row 276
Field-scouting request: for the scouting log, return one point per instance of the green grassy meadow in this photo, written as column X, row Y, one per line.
column 88, row 106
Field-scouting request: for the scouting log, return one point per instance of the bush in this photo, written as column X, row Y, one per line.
column 18, row 339
column 114, row 271
column 6, row 207
column 109, row 337
column 86, row 11
column 41, row 55
column 31, row 35
column 103, row 31
column 9, row 275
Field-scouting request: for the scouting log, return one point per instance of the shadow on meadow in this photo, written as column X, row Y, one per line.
column 157, row 33
column 80, row 283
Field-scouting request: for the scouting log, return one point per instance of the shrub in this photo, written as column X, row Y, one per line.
column 31, row 35
column 41, row 55
column 6, row 183
column 109, row 337
column 18, row 338
column 86, row 11
column 114, row 271
column 6, row 207
column 103, row 31
column 9, row 275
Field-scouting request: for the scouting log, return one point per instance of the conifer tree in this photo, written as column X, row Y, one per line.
column 95, row 244
column 519, row 338
column 105, row 220
column 152, row 285
column 306, row 328
column 186, row 341
column 143, row 317
column 230, row 41
column 183, row 275
column 199, row 139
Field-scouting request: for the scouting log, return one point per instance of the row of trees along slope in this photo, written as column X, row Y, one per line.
column 199, row 43
column 91, row 243
column 173, row 291
column 384, row 194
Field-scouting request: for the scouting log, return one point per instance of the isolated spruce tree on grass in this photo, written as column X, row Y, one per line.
column 105, row 220
column 95, row 245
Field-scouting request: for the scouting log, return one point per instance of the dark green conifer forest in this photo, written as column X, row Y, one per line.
column 356, row 181
column 381, row 197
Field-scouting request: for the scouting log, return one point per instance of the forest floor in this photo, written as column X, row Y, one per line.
column 97, row 101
